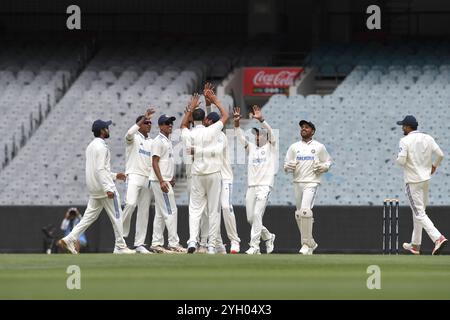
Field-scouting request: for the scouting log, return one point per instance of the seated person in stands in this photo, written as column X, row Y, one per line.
column 71, row 219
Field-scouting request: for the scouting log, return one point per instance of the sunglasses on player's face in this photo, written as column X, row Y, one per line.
column 148, row 122
column 168, row 123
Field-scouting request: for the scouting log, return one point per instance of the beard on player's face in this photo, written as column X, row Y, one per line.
column 105, row 133
column 306, row 134
column 405, row 130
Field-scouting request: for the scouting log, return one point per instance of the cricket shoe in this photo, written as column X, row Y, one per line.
column 311, row 250
column 177, row 249
column 304, row 250
column 413, row 249
column 253, row 251
column 439, row 245
column 142, row 249
column 68, row 245
column 235, row 248
column 124, row 250
column 220, row 249
column 270, row 244
column 191, row 247
column 202, row 249
column 211, row 250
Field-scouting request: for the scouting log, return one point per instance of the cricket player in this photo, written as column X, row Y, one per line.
column 206, row 171
column 262, row 157
column 307, row 159
column 102, row 191
column 163, row 181
column 138, row 169
column 227, row 191
column 189, row 158
column 415, row 156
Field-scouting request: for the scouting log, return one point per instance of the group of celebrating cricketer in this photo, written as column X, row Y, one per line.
column 150, row 172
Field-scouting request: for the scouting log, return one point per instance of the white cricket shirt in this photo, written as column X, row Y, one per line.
column 202, row 138
column 162, row 147
column 99, row 178
column 226, row 172
column 306, row 154
column 138, row 152
column 188, row 158
column 415, row 155
column 261, row 160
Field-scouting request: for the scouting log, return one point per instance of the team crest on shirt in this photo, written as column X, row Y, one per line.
column 313, row 151
column 263, row 153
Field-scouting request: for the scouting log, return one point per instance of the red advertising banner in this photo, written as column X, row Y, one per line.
column 260, row 81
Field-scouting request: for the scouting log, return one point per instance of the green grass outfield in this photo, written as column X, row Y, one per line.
column 172, row 277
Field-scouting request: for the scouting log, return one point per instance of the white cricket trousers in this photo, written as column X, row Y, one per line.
column 94, row 207
column 166, row 215
column 255, row 203
column 205, row 195
column 139, row 193
column 229, row 218
column 202, row 238
column 417, row 194
column 305, row 194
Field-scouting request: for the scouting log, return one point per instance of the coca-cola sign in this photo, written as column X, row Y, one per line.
column 269, row 81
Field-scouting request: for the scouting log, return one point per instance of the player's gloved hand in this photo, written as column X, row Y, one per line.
column 290, row 166
column 320, row 167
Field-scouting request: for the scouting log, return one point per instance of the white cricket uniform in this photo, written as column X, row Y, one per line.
column 225, row 199
column 206, row 181
column 139, row 193
column 306, row 181
column 100, row 180
column 188, row 159
column 166, row 211
column 415, row 156
column 261, row 176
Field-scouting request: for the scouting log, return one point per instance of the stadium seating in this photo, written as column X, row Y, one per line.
column 32, row 79
column 356, row 122
column 118, row 84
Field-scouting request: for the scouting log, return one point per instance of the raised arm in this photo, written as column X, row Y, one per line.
column 237, row 129
column 129, row 137
column 193, row 104
column 257, row 114
column 208, row 86
column 209, row 94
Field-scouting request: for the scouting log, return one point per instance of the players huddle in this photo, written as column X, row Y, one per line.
column 150, row 169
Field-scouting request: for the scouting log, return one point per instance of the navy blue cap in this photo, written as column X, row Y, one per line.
column 310, row 124
column 164, row 119
column 213, row 116
column 408, row 121
column 100, row 124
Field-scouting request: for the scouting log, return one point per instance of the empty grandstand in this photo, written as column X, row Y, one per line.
column 119, row 83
